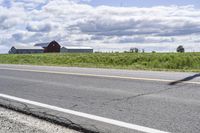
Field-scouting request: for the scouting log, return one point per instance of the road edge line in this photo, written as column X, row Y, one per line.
column 85, row 115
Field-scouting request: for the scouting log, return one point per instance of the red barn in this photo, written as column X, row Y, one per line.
column 51, row 47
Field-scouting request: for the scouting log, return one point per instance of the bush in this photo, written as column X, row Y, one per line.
column 180, row 49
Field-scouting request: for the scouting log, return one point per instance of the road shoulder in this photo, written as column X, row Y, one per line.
column 14, row 122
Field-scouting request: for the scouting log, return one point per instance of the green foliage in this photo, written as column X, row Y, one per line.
column 145, row 61
column 180, row 49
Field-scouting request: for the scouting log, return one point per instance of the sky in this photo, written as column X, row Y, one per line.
column 143, row 3
column 105, row 25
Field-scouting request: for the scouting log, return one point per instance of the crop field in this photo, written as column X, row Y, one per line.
column 136, row 61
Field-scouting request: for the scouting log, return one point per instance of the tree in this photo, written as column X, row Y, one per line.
column 143, row 51
column 180, row 49
column 134, row 50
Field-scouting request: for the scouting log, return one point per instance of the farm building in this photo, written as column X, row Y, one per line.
column 51, row 47
column 67, row 49
column 25, row 50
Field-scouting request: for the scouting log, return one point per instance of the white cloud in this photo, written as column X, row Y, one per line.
column 107, row 28
column 39, row 27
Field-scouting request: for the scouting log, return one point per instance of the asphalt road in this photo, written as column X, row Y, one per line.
column 166, row 101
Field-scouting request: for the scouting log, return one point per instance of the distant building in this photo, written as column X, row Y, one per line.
column 51, row 47
column 67, row 49
column 25, row 50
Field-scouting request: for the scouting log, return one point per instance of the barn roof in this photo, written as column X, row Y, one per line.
column 28, row 47
column 44, row 44
column 72, row 47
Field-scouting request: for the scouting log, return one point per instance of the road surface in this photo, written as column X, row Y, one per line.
column 105, row 100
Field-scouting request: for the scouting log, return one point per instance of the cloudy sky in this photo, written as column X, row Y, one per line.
column 105, row 25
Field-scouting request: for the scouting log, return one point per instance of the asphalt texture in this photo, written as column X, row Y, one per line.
column 172, row 106
column 14, row 122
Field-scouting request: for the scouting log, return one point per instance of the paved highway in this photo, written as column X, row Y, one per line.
column 105, row 100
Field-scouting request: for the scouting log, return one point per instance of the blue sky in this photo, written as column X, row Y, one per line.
column 161, row 26
column 145, row 3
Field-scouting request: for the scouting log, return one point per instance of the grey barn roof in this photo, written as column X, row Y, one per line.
column 42, row 44
column 72, row 47
column 28, row 47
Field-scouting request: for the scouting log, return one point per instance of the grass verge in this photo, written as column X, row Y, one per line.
column 136, row 61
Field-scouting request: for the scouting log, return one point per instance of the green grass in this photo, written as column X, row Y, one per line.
column 143, row 61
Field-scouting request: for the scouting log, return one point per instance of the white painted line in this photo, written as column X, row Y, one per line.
column 84, row 115
column 96, row 75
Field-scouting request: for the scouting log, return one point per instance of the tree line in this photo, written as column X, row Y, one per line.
column 179, row 49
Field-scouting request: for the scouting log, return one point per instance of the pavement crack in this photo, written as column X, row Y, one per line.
column 126, row 99
column 73, row 106
column 45, row 115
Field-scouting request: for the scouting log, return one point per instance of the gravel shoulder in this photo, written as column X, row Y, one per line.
column 13, row 122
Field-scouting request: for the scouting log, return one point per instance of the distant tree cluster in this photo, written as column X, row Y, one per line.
column 180, row 49
column 136, row 50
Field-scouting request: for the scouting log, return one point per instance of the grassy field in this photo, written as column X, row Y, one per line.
column 142, row 61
